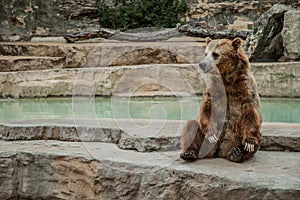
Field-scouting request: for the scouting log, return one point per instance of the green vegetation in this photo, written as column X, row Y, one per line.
column 129, row 14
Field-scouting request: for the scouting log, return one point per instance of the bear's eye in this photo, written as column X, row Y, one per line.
column 205, row 54
column 215, row 55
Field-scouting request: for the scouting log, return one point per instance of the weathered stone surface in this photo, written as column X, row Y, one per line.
column 50, row 49
column 62, row 133
column 138, row 134
column 62, row 170
column 110, row 53
column 291, row 34
column 73, row 55
column 23, row 63
column 277, row 79
column 169, row 79
column 148, row 56
column 273, row 79
column 137, row 53
column 265, row 42
column 276, row 137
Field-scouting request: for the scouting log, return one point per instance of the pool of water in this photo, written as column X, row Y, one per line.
column 273, row 110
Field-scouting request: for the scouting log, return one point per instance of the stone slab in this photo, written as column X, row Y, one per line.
column 74, row 55
column 24, row 63
column 273, row 80
column 64, row 170
column 137, row 134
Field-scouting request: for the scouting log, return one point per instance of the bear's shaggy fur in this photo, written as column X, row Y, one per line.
column 230, row 120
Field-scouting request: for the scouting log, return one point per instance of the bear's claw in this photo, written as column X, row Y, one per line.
column 213, row 139
column 236, row 155
column 188, row 156
column 249, row 147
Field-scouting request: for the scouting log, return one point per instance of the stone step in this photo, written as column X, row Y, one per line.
column 34, row 48
column 50, row 49
column 112, row 53
column 64, row 170
column 74, row 55
column 273, row 80
column 142, row 135
column 24, row 63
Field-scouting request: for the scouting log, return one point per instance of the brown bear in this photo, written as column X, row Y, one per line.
column 229, row 120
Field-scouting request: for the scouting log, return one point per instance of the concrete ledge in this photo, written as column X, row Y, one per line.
column 64, row 170
column 273, row 79
column 137, row 134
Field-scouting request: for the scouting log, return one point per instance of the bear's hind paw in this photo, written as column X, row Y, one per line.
column 236, row 155
column 188, row 156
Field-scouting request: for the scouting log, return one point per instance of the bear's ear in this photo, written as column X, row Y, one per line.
column 237, row 42
column 208, row 40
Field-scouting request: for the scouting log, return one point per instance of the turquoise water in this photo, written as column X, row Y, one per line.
column 273, row 110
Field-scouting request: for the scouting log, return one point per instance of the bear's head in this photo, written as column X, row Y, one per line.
column 224, row 56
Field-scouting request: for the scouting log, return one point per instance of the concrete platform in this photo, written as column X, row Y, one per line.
column 64, row 170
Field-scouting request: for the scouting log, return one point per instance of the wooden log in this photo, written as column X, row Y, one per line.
column 85, row 35
column 213, row 34
column 156, row 34
column 140, row 35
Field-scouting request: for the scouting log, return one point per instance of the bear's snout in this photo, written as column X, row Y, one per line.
column 205, row 67
column 202, row 66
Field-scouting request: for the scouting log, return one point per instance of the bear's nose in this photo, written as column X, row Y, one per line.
column 202, row 66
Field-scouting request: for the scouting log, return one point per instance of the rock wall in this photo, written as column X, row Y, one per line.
column 291, row 34
column 53, row 17
column 22, row 19
column 229, row 14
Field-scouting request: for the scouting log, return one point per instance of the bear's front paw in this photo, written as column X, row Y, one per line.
column 213, row 138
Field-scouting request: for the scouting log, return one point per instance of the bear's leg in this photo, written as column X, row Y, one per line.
column 191, row 141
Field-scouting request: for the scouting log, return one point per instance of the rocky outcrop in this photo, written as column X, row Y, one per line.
column 291, row 34
column 230, row 14
column 265, row 42
column 52, row 17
